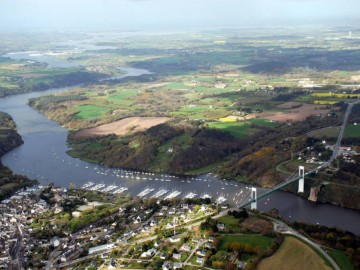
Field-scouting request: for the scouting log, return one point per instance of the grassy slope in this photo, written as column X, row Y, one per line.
column 295, row 255
column 241, row 129
column 352, row 131
column 255, row 240
column 341, row 259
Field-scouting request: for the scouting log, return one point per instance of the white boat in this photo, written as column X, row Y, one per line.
column 145, row 192
column 97, row 187
column 206, row 196
column 87, row 185
column 120, row 190
column 220, row 199
column 173, row 194
column 160, row 193
column 109, row 188
column 190, row 195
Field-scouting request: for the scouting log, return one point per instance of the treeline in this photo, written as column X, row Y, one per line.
column 10, row 182
column 52, row 81
column 47, row 102
column 207, row 146
column 139, row 151
column 334, row 238
column 9, row 139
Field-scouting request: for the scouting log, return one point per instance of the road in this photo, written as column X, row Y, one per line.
column 291, row 231
column 16, row 251
column 342, row 130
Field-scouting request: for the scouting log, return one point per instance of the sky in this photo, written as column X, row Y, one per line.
column 170, row 14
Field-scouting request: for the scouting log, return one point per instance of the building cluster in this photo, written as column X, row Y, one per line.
column 20, row 244
column 16, row 215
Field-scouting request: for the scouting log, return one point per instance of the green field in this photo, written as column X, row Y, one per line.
column 241, row 129
column 195, row 112
column 90, row 111
column 236, row 129
column 330, row 132
column 340, row 258
column 255, row 240
column 352, row 131
column 177, row 86
column 123, row 95
column 228, row 220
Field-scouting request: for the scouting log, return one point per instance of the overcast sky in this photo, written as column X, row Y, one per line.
column 170, row 14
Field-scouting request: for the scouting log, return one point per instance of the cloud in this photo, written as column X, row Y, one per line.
column 145, row 14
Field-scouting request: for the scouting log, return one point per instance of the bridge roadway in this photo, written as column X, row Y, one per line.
column 327, row 163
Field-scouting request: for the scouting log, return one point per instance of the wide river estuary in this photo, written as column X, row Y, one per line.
column 43, row 156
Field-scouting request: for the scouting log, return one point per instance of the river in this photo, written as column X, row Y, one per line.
column 43, row 157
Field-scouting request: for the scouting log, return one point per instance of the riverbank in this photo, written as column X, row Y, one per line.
column 52, row 164
column 10, row 139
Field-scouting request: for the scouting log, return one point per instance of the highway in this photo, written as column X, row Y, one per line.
column 342, row 130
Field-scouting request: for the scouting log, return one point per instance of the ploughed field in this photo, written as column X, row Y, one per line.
column 123, row 126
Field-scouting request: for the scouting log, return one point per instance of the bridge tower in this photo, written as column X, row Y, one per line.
column 301, row 179
column 253, row 198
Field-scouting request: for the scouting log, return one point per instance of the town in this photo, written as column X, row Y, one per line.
column 48, row 227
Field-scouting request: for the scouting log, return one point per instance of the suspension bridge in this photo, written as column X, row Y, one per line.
column 251, row 195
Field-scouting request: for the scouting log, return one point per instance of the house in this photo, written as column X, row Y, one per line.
column 112, row 264
column 175, row 239
column 220, row 226
column 55, row 241
column 158, row 243
column 211, row 239
column 151, row 252
column 200, row 260
column 166, row 266
column 208, row 245
column 176, row 256
column 163, row 256
column 137, row 220
column 185, row 248
column 76, row 214
column 241, row 264
column 153, row 223
column 169, row 225
column 201, row 252
column 196, row 240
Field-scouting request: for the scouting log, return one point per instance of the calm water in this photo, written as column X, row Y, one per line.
column 43, row 157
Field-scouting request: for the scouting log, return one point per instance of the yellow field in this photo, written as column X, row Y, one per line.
column 335, row 95
column 228, row 119
column 325, row 102
column 295, row 255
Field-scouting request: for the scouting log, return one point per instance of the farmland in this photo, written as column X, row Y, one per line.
column 237, row 108
column 293, row 254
